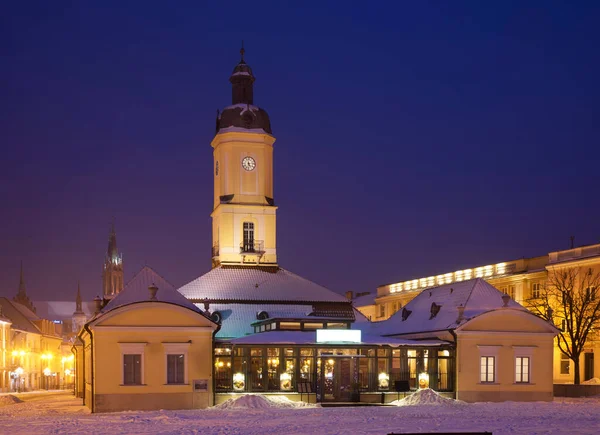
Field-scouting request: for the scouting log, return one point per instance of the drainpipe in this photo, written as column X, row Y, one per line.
column 75, row 367
column 93, row 399
column 212, row 363
column 455, row 381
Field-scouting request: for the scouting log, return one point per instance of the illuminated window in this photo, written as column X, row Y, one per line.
column 522, row 370
column 489, row 270
column 382, row 310
column 458, row 275
column 488, row 369
column 590, row 294
column 536, row 290
column 565, row 364
column 509, row 290
column 248, row 237
column 468, row 273
column 479, row 272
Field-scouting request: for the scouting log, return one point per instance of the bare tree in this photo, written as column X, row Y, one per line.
column 571, row 301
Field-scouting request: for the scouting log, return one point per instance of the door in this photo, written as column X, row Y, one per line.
column 588, row 364
column 248, row 237
column 338, row 379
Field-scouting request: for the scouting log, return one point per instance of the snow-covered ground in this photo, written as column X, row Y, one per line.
column 61, row 413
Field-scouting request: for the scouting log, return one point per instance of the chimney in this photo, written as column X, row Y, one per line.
column 461, row 314
column 153, row 289
column 505, row 299
column 572, row 242
column 98, row 302
column 349, row 295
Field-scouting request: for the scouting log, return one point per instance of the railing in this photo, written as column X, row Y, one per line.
column 215, row 251
column 257, row 246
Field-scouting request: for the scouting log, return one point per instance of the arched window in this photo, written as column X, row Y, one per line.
column 248, row 237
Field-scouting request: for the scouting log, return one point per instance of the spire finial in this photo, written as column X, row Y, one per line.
column 22, row 281
column 78, row 299
column 242, row 51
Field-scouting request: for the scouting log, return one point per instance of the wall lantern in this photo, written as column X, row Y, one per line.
column 239, row 382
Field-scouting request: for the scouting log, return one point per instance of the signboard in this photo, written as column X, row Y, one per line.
column 338, row 336
column 200, row 385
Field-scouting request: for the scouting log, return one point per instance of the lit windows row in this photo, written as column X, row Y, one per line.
column 488, row 370
column 448, row 278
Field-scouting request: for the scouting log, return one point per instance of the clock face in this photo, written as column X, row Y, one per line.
column 248, row 164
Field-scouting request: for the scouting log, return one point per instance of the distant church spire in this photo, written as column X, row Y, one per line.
column 22, row 297
column 78, row 308
column 112, row 272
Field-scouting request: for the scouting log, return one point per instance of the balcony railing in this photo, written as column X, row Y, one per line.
column 255, row 247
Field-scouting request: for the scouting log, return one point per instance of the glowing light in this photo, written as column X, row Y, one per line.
column 239, row 382
column 330, row 362
column 19, row 371
column 338, row 336
column 285, row 381
column 501, row 268
column 47, row 371
column 67, row 372
column 384, row 380
column 423, row 380
column 15, row 353
column 22, row 353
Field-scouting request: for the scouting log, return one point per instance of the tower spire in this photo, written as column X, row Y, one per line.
column 112, row 273
column 22, row 292
column 21, row 296
column 78, row 308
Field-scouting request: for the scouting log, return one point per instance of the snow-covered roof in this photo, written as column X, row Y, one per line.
column 136, row 290
column 364, row 300
column 21, row 317
column 242, row 130
column 237, row 319
column 310, row 337
column 62, row 310
column 476, row 296
column 251, row 283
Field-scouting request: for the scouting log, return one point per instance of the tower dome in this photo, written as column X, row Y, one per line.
column 243, row 113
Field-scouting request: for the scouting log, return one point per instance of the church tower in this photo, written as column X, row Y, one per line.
column 79, row 317
column 21, row 296
column 112, row 272
column 243, row 217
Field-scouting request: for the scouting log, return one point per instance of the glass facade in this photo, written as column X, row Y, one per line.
column 334, row 373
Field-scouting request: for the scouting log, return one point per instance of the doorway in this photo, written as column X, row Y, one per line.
column 339, row 376
column 588, row 366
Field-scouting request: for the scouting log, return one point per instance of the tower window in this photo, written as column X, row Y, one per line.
column 248, row 237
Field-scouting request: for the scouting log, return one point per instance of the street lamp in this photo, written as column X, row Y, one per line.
column 47, row 373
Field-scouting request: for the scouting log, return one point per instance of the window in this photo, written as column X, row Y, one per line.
column 175, row 369
column 565, row 363
column 488, row 369
column 522, row 369
column 536, row 290
column 176, row 362
column 132, row 361
column 382, row 310
column 248, row 237
column 132, row 369
column 509, row 290
column 590, row 294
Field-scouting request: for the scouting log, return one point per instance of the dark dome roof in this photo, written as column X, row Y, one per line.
column 244, row 116
column 242, row 68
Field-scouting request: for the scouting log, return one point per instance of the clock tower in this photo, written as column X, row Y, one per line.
column 243, row 217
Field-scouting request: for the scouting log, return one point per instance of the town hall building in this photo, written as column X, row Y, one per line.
column 252, row 326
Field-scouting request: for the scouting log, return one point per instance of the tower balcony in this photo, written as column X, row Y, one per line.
column 254, row 247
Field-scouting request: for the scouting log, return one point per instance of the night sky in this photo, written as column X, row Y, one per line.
column 413, row 138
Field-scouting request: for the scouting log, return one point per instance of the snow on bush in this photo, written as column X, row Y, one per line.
column 9, row 399
column 258, row 401
column 593, row 381
column 427, row 396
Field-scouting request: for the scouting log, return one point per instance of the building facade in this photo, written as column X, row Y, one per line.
column 524, row 280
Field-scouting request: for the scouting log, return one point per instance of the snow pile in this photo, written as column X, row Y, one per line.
column 258, row 401
column 593, row 381
column 427, row 396
column 9, row 399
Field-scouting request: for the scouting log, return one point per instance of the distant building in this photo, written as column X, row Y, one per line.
column 523, row 280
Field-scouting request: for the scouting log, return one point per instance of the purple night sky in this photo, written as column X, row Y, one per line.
column 412, row 138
